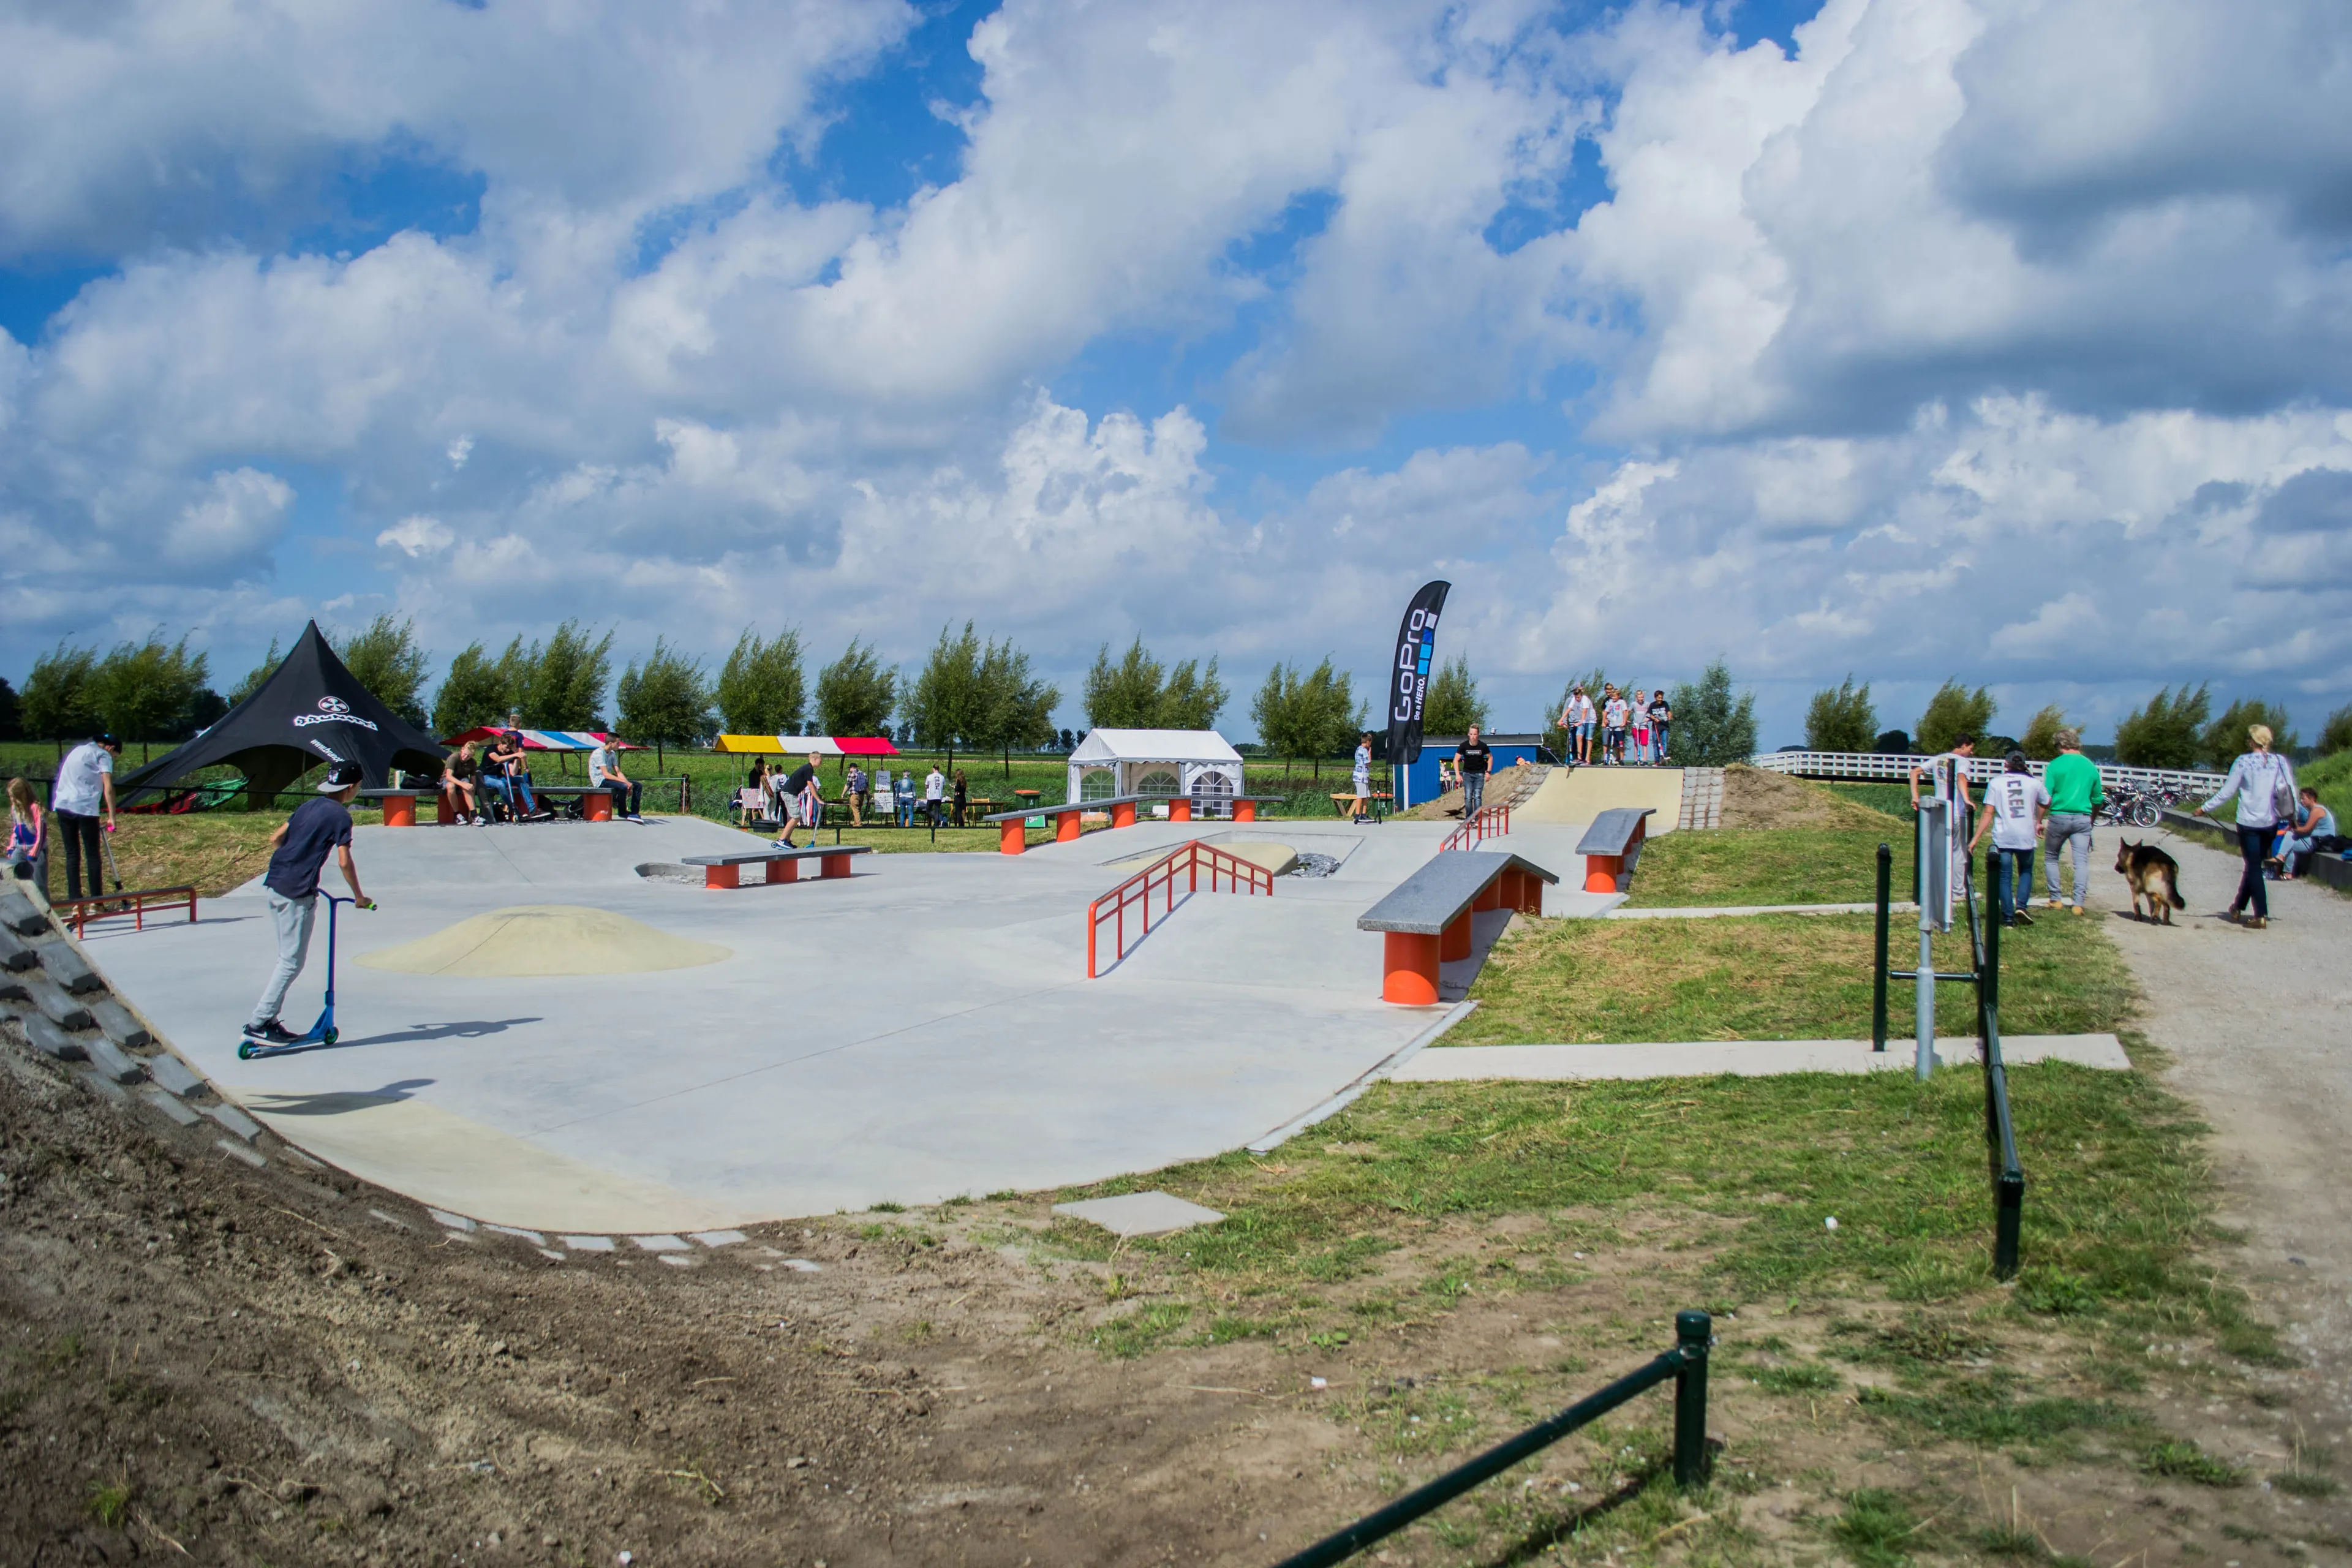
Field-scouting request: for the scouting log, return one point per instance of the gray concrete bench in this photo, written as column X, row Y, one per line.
column 1012, row 834
column 1612, row 846
column 783, row 865
column 1426, row 920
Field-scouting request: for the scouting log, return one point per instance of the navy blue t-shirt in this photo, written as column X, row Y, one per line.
column 312, row 832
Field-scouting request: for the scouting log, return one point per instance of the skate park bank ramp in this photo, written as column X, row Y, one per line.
column 568, row 1046
column 1579, row 795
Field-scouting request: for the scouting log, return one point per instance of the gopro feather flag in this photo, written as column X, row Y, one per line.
column 1409, row 673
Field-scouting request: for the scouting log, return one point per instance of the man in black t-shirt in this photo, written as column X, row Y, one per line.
column 1474, row 759
column 290, row 888
column 788, row 795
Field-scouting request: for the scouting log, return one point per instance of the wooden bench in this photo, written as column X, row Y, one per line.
column 783, row 865
column 1426, row 918
column 1612, row 846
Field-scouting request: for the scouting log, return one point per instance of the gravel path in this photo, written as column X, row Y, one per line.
column 2254, row 1022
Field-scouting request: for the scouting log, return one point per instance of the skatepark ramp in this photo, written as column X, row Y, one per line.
column 1582, row 795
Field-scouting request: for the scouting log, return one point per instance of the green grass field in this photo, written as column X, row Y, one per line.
column 1772, row 977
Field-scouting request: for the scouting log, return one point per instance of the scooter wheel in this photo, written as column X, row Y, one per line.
column 330, row 1037
column 245, row 1051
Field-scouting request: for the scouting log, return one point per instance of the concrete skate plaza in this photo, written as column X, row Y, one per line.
column 919, row 1030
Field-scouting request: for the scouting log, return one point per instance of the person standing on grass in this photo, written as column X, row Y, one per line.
column 2015, row 805
column 905, row 798
column 1661, row 716
column 604, row 773
column 1473, row 760
column 935, row 792
column 2076, row 793
column 962, row 797
column 29, row 838
column 84, row 790
column 788, row 799
column 2262, row 783
column 854, row 788
column 290, row 888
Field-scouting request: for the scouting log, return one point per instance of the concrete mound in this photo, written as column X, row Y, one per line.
column 545, row 939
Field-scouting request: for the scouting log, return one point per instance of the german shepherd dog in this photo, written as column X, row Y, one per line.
column 2153, row 875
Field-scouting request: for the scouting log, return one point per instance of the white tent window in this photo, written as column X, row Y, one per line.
column 1197, row 763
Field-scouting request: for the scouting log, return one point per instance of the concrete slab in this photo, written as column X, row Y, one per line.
column 109, row 1060
column 1140, row 1214
column 587, row 1243
column 48, row 1038
column 1580, row 794
column 170, row 1105
column 660, row 1243
column 919, row 1030
column 121, row 1026
column 1738, row 1058
column 236, row 1121
column 716, row 1238
column 174, row 1074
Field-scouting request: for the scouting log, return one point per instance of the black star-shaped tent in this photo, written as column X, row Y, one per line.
column 311, row 711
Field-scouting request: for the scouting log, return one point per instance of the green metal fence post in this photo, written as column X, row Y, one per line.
column 1694, row 1332
column 1878, row 975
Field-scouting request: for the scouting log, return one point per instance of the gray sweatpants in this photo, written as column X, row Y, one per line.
column 2062, row 829
column 291, row 919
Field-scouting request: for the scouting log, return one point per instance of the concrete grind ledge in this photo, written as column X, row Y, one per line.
column 1737, row 1058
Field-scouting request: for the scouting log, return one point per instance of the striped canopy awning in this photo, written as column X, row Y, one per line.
column 542, row 740
column 808, row 745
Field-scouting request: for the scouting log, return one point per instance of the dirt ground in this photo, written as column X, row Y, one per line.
column 1757, row 797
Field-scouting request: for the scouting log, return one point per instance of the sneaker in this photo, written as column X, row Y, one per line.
column 2257, row 922
column 2022, row 919
column 273, row 1033
column 635, row 817
column 2074, row 909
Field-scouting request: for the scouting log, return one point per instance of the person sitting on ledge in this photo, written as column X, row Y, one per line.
column 2298, row 840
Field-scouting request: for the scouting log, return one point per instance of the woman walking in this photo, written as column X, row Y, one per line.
column 2264, row 786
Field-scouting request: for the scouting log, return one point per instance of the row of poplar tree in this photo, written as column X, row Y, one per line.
column 2173, row 729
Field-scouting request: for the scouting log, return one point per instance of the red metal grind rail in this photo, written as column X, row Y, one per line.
column 79, row 912
column 1488, row 822
column 1161, row 876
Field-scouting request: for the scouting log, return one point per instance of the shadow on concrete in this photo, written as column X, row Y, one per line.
column 473, row 1029
column 339, row 1103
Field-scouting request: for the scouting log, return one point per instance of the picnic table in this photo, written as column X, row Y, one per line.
column 1346, row 802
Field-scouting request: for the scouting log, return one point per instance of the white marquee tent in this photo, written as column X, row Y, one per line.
column 1196, row 763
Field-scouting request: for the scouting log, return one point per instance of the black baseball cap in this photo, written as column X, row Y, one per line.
column 340, row 777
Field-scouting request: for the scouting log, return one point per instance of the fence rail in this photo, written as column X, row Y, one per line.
column 1185, row 858
column 79, row 912
column 1686, row 1364
column 1486, row 821
column 1898, row 768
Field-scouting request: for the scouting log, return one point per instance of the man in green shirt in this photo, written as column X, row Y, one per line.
column 2075, row 794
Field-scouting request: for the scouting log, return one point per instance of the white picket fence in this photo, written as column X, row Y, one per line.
column 1879, row 765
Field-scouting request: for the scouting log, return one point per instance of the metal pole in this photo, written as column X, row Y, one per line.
column 1924, row 979
column 1693, row 1333
column 1879, row 971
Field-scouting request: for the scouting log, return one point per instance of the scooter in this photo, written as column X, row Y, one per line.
column 323, row 1032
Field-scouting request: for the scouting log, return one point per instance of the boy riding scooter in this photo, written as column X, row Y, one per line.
column 291, row 888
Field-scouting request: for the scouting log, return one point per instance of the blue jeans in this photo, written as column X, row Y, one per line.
column 1473, row 791
column 2013, row 881
column 1658, row 741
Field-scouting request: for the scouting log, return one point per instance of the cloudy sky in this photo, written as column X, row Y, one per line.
column 2007, row 339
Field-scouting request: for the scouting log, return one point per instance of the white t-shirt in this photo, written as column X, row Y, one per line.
column 1616, row 712
column 77, row 789
column 1945, row 769
column 2012, row 798
column 935, row 787
column 599, row 761
column 1363, row 761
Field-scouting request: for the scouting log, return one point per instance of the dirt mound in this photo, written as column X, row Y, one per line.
column 1499, row 788
column 1757, row 797
column 545, row 939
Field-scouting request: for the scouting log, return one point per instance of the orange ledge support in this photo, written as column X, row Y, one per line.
column 1455, row 943
column 728, row 875
column 444, row 809
column 1065, row 827
column 1123, row 815
column 1013, row 837
column 783, row 871
column 1492, row 898
column 400, row 811
column 1244, row 811
column 1411, row 962
column 1180, row 809
column 1601, row 872
column 834, row 864
column 596, row 806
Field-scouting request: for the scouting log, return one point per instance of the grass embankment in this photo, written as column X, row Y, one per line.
column 1786, row 977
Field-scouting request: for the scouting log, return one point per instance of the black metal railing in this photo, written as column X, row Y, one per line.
column 2000, row 1132
column 1686, row 1363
